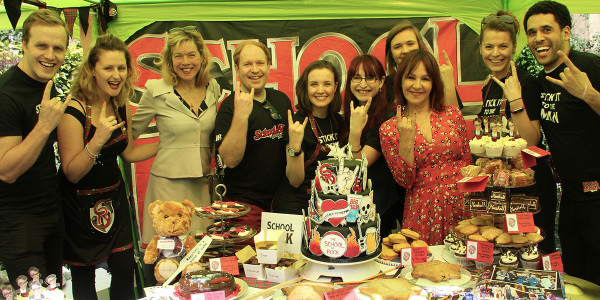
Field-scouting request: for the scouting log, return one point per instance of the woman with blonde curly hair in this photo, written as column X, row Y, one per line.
column 95, row 129
column 184, row 104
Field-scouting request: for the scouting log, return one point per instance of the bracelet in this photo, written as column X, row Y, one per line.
column 90, row 154
column 511, row 101
column 518, row 110
column 358, row 150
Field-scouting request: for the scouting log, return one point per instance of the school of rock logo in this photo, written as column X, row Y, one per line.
column 102, row 215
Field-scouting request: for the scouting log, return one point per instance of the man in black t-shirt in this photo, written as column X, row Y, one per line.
column 249, row 133
column 570, row 118
column 31, row 222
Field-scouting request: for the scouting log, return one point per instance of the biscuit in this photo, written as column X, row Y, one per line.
column 477, row 237
column 386, row 241
column 519, row 238
column 478, row 221
column 534, row 237
column 383, row 247
column 410, row 234
column 389, row 254
column 460, row 226
column 436, row 271
column 397, row 238
column 469, row 229
column 491, row 233
column 465, row 222
column 419, row 243
column 503, row 238
column 398, row 247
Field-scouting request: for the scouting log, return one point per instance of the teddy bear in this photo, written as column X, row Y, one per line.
column 171, row 221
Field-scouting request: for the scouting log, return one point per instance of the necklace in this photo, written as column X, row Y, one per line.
column 321, row 131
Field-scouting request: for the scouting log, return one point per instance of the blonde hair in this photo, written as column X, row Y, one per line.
column 241, row 46
column 175, row 38
column 45, row 17
column 84, row 86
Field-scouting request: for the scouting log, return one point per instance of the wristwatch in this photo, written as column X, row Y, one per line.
column 293, row 153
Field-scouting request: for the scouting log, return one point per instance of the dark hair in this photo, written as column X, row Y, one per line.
column 410, row 62
column 379, row 105
column 302, row 87
column 499, row 25
column 403, row 25
column 44, row 17
column 84, row 85
column 559, row 10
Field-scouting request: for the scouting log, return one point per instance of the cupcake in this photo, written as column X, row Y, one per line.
column 461, row 255
column 497, row 252
column 454, row 247
column 480, row 265
column 512, row 148
column 477, row 145
column 509, row 259
column 494, row 149
column 449, row 240
column 530, row 258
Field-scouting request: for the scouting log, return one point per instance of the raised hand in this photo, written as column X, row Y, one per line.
column 359, row 116
column 295, row 132
column 447, row 71
column 51, row 110
column 406, row 127
column 511, row 86
column 572, row 79
column 106, row 126
column 243, row 102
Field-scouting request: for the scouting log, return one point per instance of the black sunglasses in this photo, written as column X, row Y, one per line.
column 504, row 18
column 184, row 29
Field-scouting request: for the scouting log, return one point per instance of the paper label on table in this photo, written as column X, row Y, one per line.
column 480, row 251
column 472, row 184
column 409, row 256
column 218, row 295
column 226, row 264
column 531, row 154
column 292, row 224
column 165, row 244
column 553, row 262
column 519, row 223
column 345, row 293
column 254, row 271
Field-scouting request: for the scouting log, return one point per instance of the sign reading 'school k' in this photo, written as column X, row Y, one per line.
column 292, row 224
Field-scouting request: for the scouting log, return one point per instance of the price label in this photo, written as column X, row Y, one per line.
column 480, row 251
column 519, row 223
column 218, row 295
column 345, row 293
column 472, row 184
column 409, row 256
column 531, row 154
column 165, row 244
column 226, row 264
column 552, row 262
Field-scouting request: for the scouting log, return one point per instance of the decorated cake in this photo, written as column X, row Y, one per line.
column 206, row 281
column 341, row 222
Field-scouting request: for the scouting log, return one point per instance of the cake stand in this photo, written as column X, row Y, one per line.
column 354, row 271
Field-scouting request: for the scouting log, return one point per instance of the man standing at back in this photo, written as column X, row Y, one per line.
column 249, row 133
column 570, row 118
column 31, row 221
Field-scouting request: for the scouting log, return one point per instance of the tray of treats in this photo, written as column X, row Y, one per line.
column 227, row 233
column 500, row 173
column 223, row 210
column 485, row 228
column 393, row 244
column 503, row 147
column 436, row 273
column 500, row 202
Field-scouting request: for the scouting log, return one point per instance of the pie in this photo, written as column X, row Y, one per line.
column 392, row 288
column 436, row 271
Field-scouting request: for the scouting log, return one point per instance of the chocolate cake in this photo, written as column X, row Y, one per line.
column 206, row 281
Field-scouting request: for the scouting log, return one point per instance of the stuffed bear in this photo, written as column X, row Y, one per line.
column 171, row 221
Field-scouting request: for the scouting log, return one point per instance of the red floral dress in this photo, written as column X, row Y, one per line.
column 433, row 202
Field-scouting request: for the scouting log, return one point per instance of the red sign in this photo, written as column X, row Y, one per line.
column 520, row 222
column 553, row 262
column 472, row 184
column 227, row 264
column 531, row 154
column 415, row 255
column 480, row 251
column 345, row 293
column 218, row 295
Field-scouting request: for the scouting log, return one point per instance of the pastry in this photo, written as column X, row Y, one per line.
column 503, row 238
column 530, row 258
column 307, row 290
column 518, row 238
column 410, row 234
column 469, row 229
column 419, row 243
column 392, row 288
column 477, row 237
column 397, row 238
column 460, row 254
column 465, row 222
column 386, row 242
column 534, row 237
column 436, row 271
column 398, row 247
column 491, row 233
column 388, row 254
column 508, row 259
column 478, row 221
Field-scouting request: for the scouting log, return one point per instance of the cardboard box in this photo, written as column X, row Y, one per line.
column 269, row 246
column 279, row 276
column 254, row 271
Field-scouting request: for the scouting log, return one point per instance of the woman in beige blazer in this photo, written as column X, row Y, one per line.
column 184, row 104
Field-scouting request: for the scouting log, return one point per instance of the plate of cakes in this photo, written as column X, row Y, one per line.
column 436, row 273
column 393, row 244
column 223, row 210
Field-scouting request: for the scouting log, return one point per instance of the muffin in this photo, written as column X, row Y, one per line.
column 512, row 148
column 530, row 258
column 494, row 149
column 461, row 255
column 449, row 240
column 509, row 259
column 478, row 145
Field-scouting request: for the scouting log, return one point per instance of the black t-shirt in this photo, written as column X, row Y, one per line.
column 572, row 129
column 292, row 200
column 255, row 179
column 35, row 191
column 495, row 104
column 390, row 94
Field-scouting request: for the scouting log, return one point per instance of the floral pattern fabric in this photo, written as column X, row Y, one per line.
column 433, row 203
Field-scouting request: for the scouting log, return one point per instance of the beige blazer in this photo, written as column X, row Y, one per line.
column 184, row 147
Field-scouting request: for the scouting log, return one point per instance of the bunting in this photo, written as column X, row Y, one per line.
column 70, row 17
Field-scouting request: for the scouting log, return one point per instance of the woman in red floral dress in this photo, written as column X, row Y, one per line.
column 425, row 146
